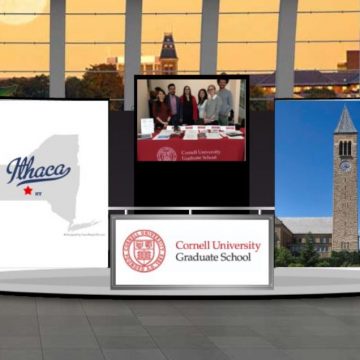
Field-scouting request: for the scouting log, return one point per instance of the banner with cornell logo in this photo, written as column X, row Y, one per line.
column 53, row 184
column 173, row 250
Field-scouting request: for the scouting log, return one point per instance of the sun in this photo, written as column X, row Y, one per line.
column 20, row 6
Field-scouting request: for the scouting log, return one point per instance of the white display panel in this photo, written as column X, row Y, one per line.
column 53, row 184
column 191, row 251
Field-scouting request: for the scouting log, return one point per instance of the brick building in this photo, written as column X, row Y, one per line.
column 339, row 232
column 165, row 64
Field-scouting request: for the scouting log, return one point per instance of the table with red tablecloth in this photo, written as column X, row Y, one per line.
column 177, row 149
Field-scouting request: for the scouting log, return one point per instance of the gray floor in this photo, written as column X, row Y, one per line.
column 92, row 329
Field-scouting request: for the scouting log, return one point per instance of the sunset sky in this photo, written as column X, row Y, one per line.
column 185, row 28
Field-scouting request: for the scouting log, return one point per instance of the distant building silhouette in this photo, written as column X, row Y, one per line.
column 352, row 61
column 166, row 63
column 149, row 65
column 343, row 84
column 168, row 56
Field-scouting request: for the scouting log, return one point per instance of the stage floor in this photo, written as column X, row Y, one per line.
column 96, row 282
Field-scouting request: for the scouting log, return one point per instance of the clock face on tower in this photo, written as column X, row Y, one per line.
column 345, row 166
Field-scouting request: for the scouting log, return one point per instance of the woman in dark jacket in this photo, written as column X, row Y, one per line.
column 161, row 111
column 189, row 107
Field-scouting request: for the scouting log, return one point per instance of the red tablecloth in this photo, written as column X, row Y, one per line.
column 177, row 149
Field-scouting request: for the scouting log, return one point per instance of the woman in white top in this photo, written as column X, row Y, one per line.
column 202, row 99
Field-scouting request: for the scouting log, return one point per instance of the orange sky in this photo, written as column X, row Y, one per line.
column 187, row 28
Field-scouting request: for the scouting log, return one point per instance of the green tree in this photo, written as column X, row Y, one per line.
column 308, row 255
column 102, row 81
column 37, row 87
column 74, row 88
column 32, row 87
column 324, row 263
column 283, row 257
column 344, row 258
column 8, row 90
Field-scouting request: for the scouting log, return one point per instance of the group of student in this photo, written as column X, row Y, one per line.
column 212, row 107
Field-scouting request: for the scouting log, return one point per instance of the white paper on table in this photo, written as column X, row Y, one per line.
column 163, row 135
column 190, row 127
column 191, row 135
column 213, row 136
column 227, row 128
column 147, row 126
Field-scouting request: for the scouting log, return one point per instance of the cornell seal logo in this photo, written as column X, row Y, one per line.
column 144, row 250
column 166, row 154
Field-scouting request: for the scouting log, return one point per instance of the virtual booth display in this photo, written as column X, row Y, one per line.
column 59, row 180
column 191, row 118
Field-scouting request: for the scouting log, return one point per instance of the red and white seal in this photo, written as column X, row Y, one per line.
column 166, row 153
column 144, row 250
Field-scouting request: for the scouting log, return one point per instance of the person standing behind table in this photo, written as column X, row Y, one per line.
column 174, row 105
column 227, row 101
column 189, row 108
column 212, row 107
column 161, row 111
column 202, row 99
column 153, row 98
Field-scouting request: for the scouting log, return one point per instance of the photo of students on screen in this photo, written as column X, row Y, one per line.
column 191, row 119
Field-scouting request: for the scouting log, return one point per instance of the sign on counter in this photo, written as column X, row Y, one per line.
column 191, row 251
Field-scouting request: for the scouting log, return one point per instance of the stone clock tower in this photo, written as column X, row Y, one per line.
column 345, row 193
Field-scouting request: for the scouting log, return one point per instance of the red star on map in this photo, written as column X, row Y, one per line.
column 28, row 190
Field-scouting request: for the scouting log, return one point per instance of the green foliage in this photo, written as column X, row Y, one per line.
column 8, row 90
column 103, row 81
column 32, row 87
column 74, row 88
column 323, row 263
column 308, row 255
column 283, row 257
column 100, row 81
column 344, row 258
column 295, row 264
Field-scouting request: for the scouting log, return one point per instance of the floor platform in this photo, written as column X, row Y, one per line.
column 96, row 282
